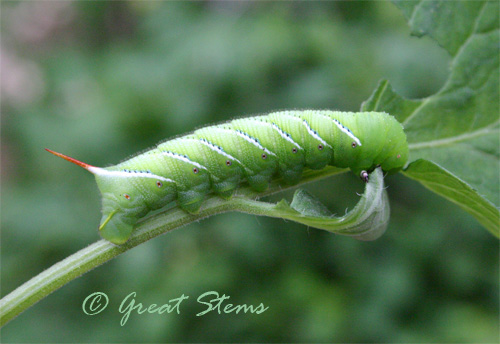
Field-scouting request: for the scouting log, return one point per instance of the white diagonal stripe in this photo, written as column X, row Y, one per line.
column 285, row 135
column 183, row 158
column 252, row 141
column 314, row 134
column 345, row 130
column 218, row 150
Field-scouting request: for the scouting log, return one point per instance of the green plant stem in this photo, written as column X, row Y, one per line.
column 102, row 251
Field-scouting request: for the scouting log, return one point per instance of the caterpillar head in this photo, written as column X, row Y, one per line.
column 397, row 157
column 384, row 144
column 396, row 161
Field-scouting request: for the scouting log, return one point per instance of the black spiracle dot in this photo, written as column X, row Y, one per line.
column 264, row 156
column 320, row 147
column 354, row 144
column 294, row 150
column 159, row 184
column 195, row 170
column 126, row 196
column 228, row 163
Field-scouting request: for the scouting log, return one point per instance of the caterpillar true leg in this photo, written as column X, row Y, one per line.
column 364, row 176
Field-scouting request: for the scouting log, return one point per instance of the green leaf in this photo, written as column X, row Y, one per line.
column 437, row 179
column 368, row 220
column 457, row 129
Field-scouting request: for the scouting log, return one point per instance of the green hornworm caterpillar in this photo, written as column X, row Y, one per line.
column 253, row 150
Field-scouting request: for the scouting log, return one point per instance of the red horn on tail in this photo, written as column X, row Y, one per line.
column 70, row 159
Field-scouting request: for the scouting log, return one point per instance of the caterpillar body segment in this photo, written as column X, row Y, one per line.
column 254, row 150
column 259, row 163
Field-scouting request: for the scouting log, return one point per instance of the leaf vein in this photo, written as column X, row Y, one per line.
column 417, row 109
column 460, row 50
column 449, row 140
column 472, row 33
column 380, row 97
column 415, row 10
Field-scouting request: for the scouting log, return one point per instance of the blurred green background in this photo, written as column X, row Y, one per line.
column 102, row 80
